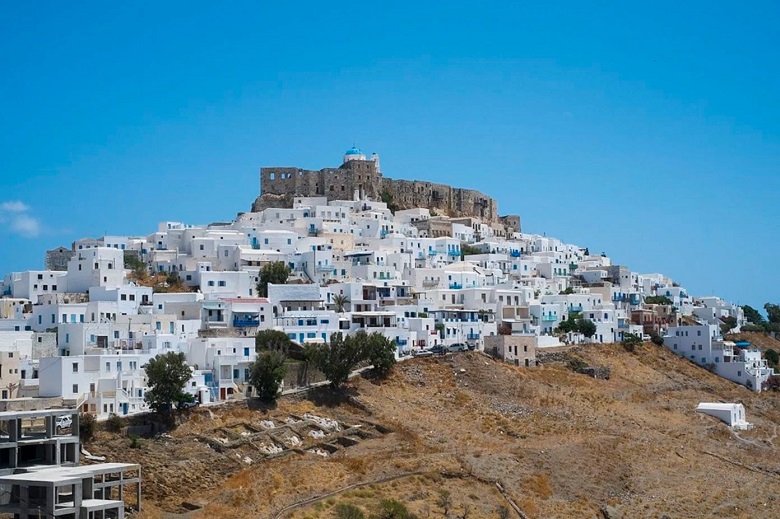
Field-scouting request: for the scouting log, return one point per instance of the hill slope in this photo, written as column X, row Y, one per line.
column 561, row 444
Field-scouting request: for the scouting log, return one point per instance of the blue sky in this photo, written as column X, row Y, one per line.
column 650, row 132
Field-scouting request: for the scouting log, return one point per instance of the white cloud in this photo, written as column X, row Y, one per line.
column 14, row 215
column 14, row 206
column 26, row 225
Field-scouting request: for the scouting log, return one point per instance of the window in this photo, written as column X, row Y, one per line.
column 75, row 367
column 222, row 283
column 211, row 283
column 123, row 297
column 10, row 354
column 75, row 388
column 108, row 366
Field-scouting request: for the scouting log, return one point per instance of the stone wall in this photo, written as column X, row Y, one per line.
column 278, row 186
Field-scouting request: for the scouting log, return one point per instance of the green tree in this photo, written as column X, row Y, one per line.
column 586, row 327
column 340, row 301
column 772, row 357
column 752, row 315
column 337, row 359
column 468, row 250
column 266, row 374
column 727, row 324
column 387, row 198
column 87, row 427
column 379, row 351
column 772, row 313
column 658, row 300
column 272, row 340
column 166, row 377
column 275, row 273
column 135, row 264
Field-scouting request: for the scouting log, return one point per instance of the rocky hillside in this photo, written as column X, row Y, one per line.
column 495, row 440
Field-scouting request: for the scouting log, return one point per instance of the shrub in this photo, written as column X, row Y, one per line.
column 114, row 423
column 577, row 365
column 349, row 511
column 630, row 341
column 86, row 427
column 392, row 509
column 135, row 442
column 657, row 340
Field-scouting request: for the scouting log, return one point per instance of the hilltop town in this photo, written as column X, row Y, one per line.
column 79, row 332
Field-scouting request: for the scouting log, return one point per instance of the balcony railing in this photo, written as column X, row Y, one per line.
column 456, row 286
column 515, row 254
column 432, row 253
column 245, row 322
column 549, row 318
column 575, row 308
column 401, row 342
column 454, row 253
column 472, row 336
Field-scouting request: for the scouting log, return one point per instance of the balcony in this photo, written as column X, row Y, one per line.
column 246, row 322
column 472, row 336
column 549, row 318
column 456, row 286
column 454, row 253
column 401, row 342
column 575, row 308
column 432, row 253
column 515, row 254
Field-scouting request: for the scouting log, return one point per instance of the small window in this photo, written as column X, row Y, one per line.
column 75, row 388
column 75, row 367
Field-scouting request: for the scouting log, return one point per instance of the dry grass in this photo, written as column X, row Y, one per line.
column 561, row 443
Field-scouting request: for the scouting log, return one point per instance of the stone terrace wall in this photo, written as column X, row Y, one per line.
column 279, row 185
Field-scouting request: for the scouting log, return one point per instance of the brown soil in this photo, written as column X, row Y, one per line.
column 561, row 444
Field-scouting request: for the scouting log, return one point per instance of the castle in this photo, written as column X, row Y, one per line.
column 360, row 178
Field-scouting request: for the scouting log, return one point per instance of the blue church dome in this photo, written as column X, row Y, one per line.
column 353, row 151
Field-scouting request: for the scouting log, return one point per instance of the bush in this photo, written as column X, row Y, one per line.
column 753, row 328
column 392, row 509
column 87, row 423
column 114, row 423
column 135, row 442
column 577, row 365
column 657, row 340
column 630, row 341
column 349, row 511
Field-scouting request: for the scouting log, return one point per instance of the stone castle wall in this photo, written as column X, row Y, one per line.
column 278, row 186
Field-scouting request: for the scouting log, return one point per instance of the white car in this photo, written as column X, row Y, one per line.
column 63, row 422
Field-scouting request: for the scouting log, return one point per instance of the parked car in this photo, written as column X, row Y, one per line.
column 458, row 346
column 422, row 353
column 63, row 422
column 187, row 405
column 471, row 346
column 439, row 350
